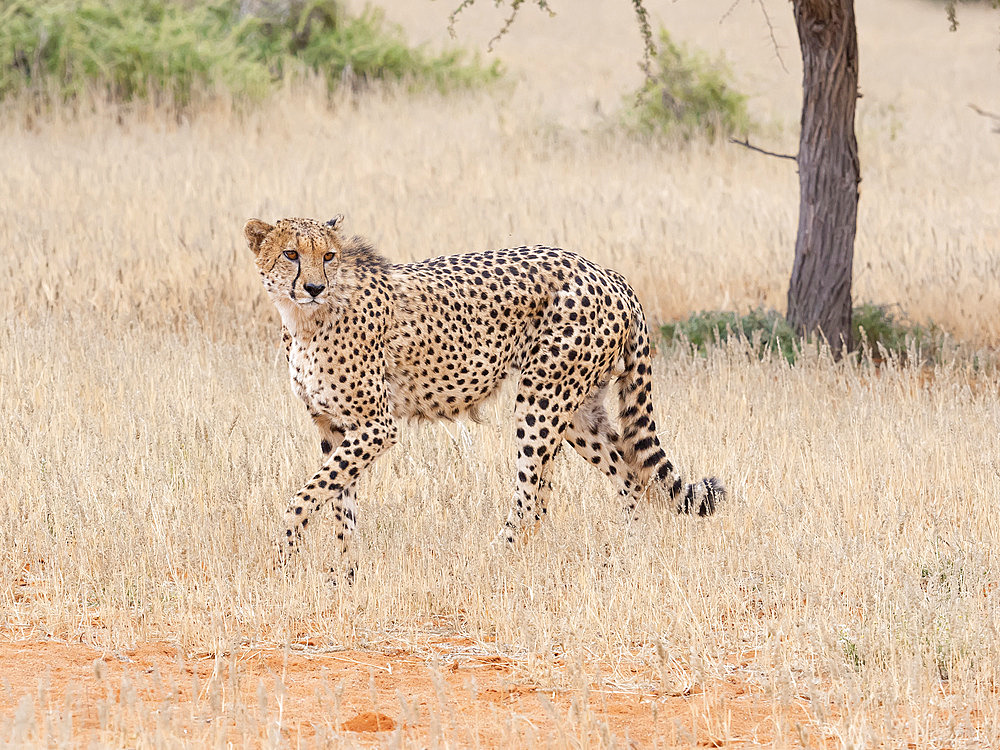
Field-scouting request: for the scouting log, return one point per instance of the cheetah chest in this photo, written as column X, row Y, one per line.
column 332, row 381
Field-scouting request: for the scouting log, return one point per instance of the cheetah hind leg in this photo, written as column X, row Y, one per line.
column 540, row 429
column 594, row 437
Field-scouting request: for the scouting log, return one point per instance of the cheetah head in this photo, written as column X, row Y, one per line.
column 297, row 260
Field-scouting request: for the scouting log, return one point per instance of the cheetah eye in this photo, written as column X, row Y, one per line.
column 291, row 255
column 328, row 257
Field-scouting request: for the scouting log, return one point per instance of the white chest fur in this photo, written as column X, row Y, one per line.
column 295, row 317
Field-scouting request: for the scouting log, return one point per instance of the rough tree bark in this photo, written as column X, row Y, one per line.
column 819, row 295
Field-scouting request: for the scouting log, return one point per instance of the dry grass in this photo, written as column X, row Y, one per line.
column 150, row 437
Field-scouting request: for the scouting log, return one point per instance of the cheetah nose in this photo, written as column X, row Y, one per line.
column 314, row 289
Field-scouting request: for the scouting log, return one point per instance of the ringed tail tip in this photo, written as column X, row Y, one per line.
column 702, row 497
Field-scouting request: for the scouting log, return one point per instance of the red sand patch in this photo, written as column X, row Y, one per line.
column 312, row 695
column 369, row 721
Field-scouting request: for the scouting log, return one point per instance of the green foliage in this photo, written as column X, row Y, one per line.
column 878, row 333
column 884, row 331
column 767, row 330
column 143, row 48
column 943, row 577
column 321, row 36
column 687, row 94
column 852, row 654
column 130, row 49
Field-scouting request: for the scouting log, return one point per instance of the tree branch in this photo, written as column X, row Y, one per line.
column 991, row 115
column 746, row 144
column 515, row 6
column 729, row 12
column 774, row 40
column 453, row 16
column 648, row 47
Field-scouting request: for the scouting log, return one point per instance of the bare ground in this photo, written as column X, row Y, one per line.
column 448, row 689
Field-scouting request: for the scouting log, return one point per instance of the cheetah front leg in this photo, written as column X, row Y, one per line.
column 345, row 507
column 334, row 482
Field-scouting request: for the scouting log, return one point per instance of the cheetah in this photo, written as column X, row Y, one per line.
column 371, row 344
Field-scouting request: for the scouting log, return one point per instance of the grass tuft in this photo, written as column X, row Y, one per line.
column 766, row 330
column 879, row 332
column 885, row 331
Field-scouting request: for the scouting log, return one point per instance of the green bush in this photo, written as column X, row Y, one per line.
column 768, row 329
column 687, row 94
column 143, row 48
column 319, row 35
column 878, row 332
column 884, row 330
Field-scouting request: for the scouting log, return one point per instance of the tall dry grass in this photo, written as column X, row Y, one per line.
column 150, row 439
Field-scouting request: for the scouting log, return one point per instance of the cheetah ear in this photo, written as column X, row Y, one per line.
column 336, row 221
column 255, row 231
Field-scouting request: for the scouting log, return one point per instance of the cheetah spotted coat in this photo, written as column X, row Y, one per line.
column 371, row 344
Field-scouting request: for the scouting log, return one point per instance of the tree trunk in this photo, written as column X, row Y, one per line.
column 819, row 295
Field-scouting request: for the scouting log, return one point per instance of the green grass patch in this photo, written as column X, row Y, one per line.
column 885, row 331
column 852, row 654
column 144, row 48
column 879, row 332
column 687, row 94
column 766, row 330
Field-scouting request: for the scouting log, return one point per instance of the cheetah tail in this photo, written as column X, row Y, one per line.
column 702, row 497
column 641, row 446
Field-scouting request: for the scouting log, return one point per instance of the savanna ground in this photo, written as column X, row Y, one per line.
column 845, row 596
